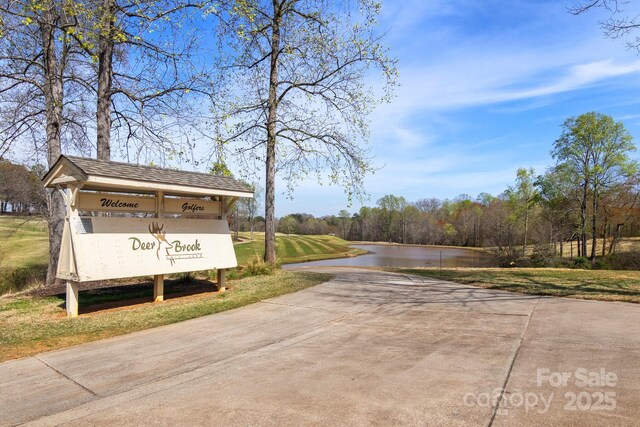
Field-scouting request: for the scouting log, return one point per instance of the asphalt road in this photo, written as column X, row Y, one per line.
column 366, row 348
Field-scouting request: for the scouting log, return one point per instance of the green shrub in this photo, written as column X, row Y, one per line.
column 234, row 274
column 582, row 262
column 625, row 260
column 506, row 257
column 17, row 279
column 256, row 266
column 186, row 278
column 545, row 256
column 601, row 264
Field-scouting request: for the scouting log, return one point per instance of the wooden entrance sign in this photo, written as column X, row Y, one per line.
column 191, row 206
column 109, row 202
column 140, row 240
column 111, row 248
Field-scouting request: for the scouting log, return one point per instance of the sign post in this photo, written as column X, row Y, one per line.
column 71, row 303
column 158, row 279
column 66, row 259
column 221, row 272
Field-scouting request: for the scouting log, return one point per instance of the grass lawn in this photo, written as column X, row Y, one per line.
column 24, row 241
column 603, row 285
column 24, row 252
column 30, row 325
column 291, row 248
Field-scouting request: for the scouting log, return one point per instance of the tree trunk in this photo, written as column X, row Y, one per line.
column 105, row 77
column 583, row 222
column 561, row 241
column 476, row 233
column 57, row 213
column 526, row 229
column 604, row 238
column 53, row 90
column 594, row 231
column 614, row 241
column 571, row 249
column 237, row 221
column 270, row 229
column 404, row 230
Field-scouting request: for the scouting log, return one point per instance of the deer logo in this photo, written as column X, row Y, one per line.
column 156, row 231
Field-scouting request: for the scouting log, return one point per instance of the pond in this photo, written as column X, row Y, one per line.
column 408, row 256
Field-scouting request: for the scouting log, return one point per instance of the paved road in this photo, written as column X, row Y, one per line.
column 367, row 348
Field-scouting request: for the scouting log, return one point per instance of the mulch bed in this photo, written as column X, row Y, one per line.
column 123, row 286
column 173, row 288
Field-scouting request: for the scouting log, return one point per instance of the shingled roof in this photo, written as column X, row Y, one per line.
column 100, row 174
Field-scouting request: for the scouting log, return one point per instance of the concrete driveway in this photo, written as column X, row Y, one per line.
column 366, row 348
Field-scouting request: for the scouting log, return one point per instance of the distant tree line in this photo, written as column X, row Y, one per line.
column 20, row 189
column 591, row 194
column 547, row 219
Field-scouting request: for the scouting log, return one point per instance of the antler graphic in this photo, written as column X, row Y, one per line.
column 156, row 231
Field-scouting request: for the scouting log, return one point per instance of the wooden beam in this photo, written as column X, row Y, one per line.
column 158, row 288
column 222, row 281
column 72, row 299
column 158, row 279
column 64, row 179
column 120, row 184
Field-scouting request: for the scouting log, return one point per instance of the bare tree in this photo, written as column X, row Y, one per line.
column 143, row 54
column 618, row 24
column 250, row 206
column 618, row 204
column 296, row 98
column 37, row 90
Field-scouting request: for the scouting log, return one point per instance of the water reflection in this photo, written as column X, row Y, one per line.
column 409, row 256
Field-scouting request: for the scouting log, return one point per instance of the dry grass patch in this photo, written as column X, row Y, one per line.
column 603, row 285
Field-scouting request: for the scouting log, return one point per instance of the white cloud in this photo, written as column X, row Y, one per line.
column 457, row 67
column 578, row 76
column 457, row 54
column 469, row 83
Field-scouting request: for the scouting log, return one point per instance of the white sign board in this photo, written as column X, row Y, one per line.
column 191, row 206
column 110, row 248
column 115, row 202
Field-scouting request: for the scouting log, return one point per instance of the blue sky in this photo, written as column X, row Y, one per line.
column 485, row 88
